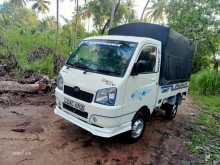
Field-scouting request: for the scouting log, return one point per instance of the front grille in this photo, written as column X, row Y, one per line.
column 76, row 111
column 79, row 94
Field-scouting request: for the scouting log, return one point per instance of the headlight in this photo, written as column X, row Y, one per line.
column 106, row 96
column 60, row 82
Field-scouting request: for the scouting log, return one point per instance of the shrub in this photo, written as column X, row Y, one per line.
column 205, row 82
column 42, row 66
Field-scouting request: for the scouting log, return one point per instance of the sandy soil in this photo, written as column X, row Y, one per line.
column 30, row 133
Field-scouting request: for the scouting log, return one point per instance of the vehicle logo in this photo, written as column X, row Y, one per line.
column 76, row 89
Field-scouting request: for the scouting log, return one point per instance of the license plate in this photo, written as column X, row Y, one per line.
column 74, row 104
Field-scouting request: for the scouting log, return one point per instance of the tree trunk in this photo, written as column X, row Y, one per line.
column 105, row 26
column 57, row 14
column 109, row 22
column 55, row 69
column 145, row 7
column 112, row 13
column 215, row 65
column 76, row 22
column 13, row 86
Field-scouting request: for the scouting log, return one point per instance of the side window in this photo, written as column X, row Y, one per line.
column 149, row 55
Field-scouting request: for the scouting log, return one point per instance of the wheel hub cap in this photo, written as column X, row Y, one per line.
column 174, row 110
column 137, row 128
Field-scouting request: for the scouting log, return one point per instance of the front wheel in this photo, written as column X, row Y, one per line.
column 137, row 127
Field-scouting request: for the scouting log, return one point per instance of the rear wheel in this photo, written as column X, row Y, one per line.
column 170, row 111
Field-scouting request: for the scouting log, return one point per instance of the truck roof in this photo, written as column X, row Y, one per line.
column 123, row 38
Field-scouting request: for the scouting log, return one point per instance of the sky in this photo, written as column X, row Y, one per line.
column 67, row 8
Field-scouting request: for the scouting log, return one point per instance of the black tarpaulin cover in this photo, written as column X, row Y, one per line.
column 177, row 50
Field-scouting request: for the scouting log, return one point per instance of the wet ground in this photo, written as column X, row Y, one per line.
column 30, row 133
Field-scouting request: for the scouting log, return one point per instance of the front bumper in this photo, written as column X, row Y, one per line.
column 102, row 132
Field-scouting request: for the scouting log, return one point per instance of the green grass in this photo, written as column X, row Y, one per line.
column 205, row 141
column 206, row 82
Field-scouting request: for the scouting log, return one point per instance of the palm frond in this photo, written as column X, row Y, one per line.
column 41, row 5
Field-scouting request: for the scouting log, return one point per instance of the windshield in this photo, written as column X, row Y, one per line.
column 103, row 56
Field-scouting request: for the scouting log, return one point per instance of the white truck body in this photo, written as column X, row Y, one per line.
column 134, row 92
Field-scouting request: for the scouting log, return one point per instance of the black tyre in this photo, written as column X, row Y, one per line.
column 137, row 127
column 170, row 111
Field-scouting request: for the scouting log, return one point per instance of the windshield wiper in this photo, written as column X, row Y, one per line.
column 108, row 72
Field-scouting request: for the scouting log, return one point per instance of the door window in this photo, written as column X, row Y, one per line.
column 149, row 54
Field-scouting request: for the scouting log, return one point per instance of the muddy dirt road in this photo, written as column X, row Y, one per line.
column 30, row 133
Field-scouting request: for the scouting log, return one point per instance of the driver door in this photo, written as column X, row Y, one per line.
column 142, row 88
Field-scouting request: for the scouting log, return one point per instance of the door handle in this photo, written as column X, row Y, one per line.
column 152, row 79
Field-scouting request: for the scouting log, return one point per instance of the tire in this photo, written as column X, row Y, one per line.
column 170, row 110
column 137, row 128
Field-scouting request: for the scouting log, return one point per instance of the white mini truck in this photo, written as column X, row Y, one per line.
column 111, row 84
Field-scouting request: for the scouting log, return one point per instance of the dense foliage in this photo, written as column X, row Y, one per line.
column 198, row 20
column 22, row 32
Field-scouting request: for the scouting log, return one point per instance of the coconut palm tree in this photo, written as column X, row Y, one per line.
column 76, row 9
column 41, row 5
column 157, row 11
column 109, row 22
column 145, row 7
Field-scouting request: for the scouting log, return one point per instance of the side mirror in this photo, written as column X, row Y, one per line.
column 139, row 67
